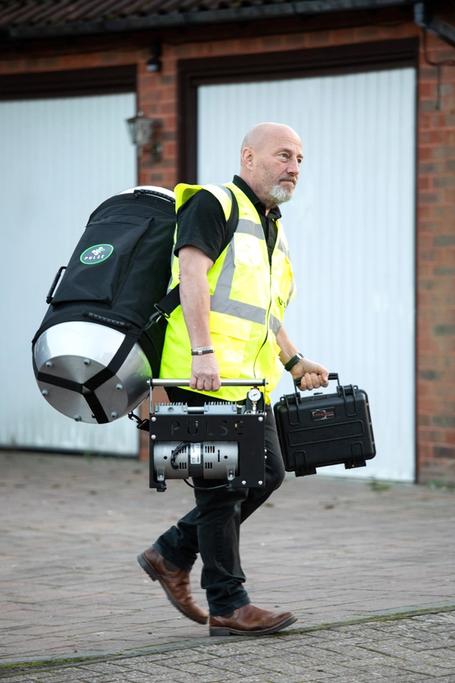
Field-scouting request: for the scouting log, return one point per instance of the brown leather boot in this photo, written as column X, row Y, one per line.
column 250, row 621
column 175, row 582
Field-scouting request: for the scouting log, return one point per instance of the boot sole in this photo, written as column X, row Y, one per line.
column 153, row 574
column 226, row 631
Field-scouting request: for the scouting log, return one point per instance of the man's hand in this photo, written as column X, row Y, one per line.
column 205, row 375
column 313, row 375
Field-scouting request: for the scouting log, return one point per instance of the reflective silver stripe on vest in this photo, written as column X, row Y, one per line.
column 240, row 310
column 247, row 227
column 220, row 301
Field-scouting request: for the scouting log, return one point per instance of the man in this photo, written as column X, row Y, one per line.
column 235, row 283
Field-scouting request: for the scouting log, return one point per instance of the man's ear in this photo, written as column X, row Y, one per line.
column 247, row 157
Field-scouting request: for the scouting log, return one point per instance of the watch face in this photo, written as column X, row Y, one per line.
column 254, row 394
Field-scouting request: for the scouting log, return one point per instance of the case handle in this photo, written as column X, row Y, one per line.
column 50, row 295
column 224, row 382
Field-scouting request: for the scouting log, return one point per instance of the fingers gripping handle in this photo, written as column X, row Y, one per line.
column 332, row 376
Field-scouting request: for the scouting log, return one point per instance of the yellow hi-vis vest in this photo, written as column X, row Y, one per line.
column 248, row 297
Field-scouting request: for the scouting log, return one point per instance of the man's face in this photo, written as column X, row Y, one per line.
column 274, row 167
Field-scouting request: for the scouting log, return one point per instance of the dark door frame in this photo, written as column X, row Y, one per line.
column 68, row 83
column 358, row 57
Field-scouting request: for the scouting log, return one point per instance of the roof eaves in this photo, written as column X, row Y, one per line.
column 190, row 18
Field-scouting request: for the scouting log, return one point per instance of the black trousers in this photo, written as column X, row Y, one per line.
column 212, row 527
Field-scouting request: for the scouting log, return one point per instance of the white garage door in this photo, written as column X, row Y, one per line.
column 60, row 158
column 351, row 231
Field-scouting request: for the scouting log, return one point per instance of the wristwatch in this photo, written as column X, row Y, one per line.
column 293, row 361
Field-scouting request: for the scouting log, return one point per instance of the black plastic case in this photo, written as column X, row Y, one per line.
column 325, row 429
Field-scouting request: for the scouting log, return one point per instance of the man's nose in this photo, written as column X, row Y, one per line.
column 293, row 167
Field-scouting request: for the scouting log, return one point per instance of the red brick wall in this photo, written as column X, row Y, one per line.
column 436, row 265
column 435, row 250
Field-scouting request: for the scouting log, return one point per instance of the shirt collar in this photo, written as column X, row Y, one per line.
column 274, row 212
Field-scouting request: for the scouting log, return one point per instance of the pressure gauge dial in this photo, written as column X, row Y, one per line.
column 254, row 395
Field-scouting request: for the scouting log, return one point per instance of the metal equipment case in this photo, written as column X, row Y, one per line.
column 325, row 429
column 219, row 441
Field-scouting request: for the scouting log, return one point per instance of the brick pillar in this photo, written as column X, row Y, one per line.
column 156, row 96
column 436, row 264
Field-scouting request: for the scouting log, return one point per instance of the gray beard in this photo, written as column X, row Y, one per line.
column 279, row 195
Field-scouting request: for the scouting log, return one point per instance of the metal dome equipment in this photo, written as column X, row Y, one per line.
column 101, row 338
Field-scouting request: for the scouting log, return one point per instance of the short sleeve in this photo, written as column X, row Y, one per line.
column 201, row 224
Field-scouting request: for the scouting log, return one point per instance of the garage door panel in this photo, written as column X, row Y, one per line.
column 350, row 227
column 60, row 159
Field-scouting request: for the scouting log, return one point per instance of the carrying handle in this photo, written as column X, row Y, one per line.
column 224, row 383
column 332, row 376
column 50, row 295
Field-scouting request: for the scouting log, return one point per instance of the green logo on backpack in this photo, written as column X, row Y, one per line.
column 98, row 253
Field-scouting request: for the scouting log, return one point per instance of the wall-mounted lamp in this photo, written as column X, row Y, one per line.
column 145, row 131
column 153, row 63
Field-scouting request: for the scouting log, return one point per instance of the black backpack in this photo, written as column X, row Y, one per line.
column 117, row 277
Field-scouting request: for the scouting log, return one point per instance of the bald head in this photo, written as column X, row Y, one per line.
column 270, row 158
column 262, row 132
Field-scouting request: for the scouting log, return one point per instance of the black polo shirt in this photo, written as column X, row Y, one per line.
column 201, row 222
